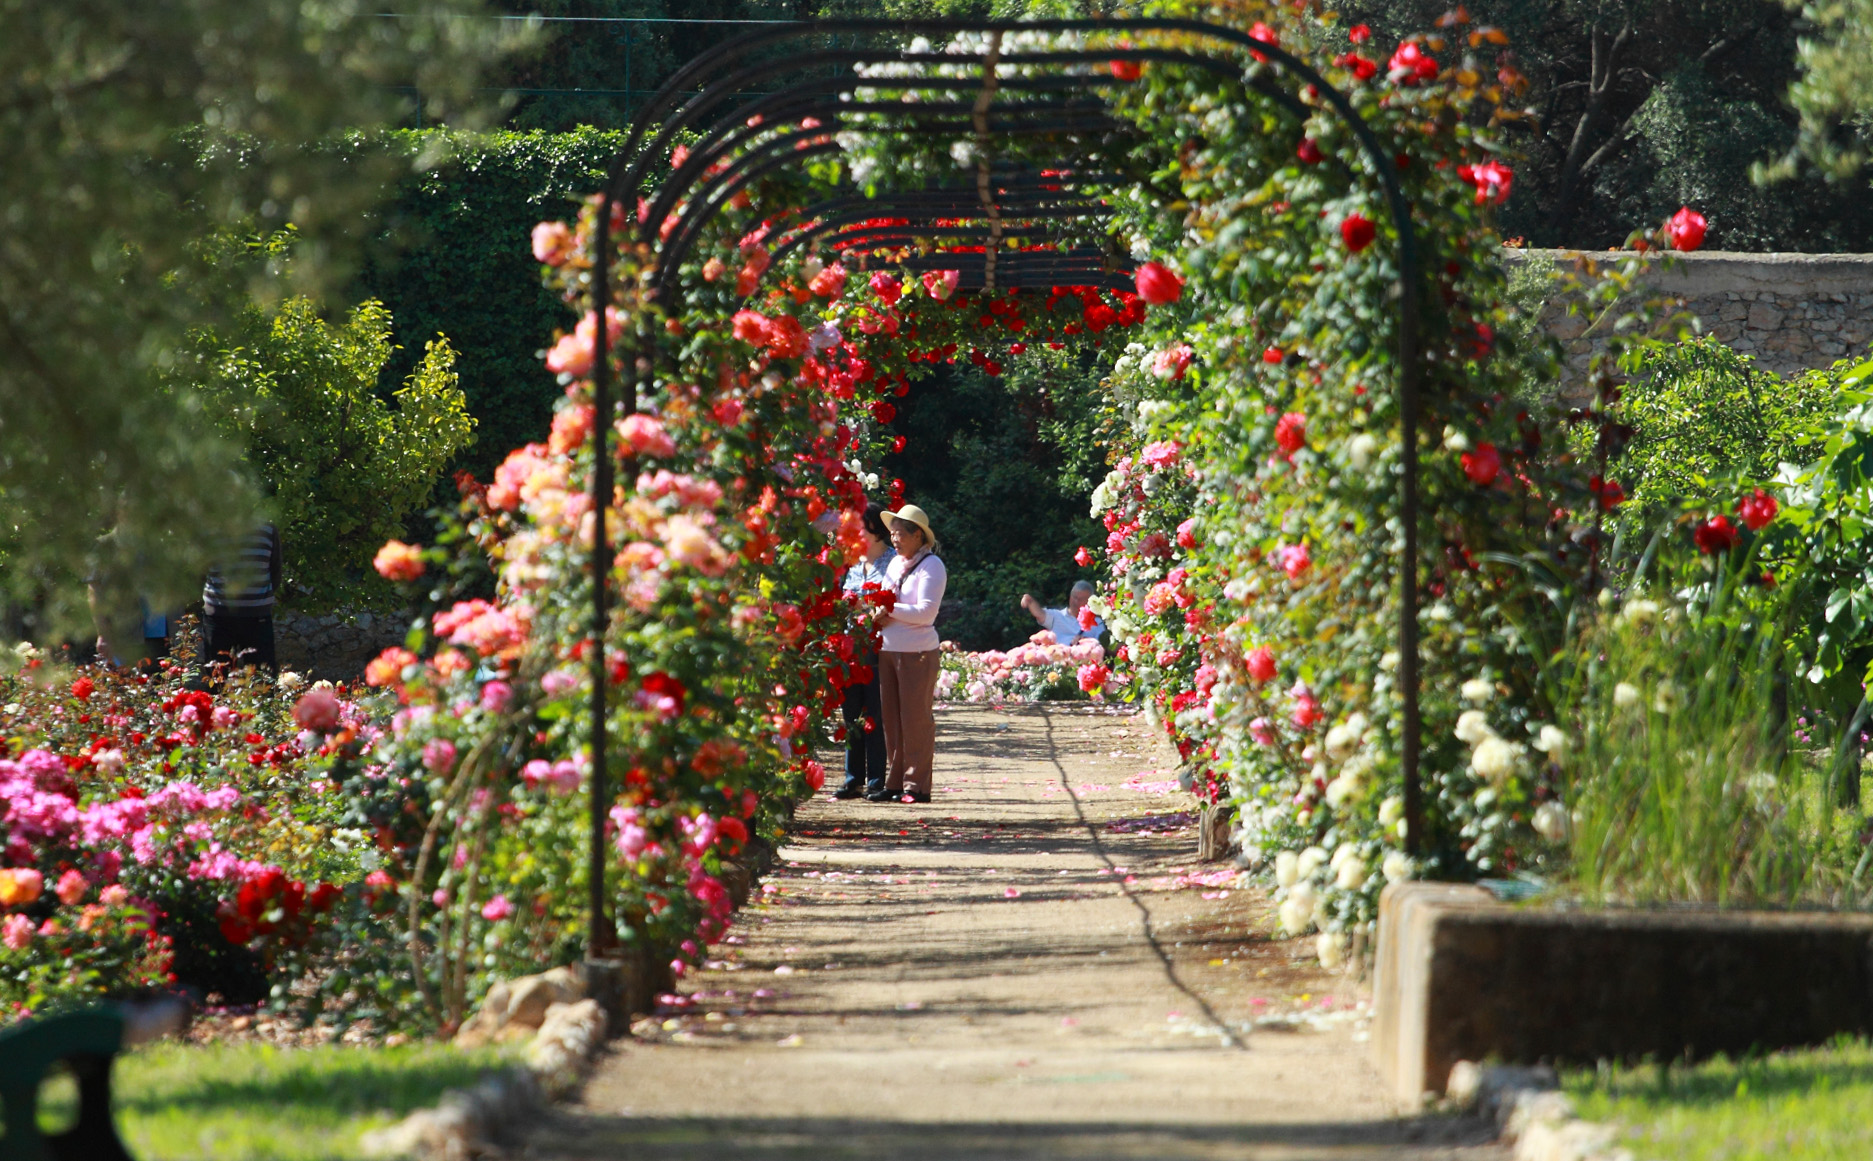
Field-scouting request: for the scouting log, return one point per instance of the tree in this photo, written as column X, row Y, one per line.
column 136, row 131
column 1632, row 108
column 1835, row 92
column 342, row 469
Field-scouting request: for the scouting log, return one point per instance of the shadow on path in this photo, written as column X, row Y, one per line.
column 834, row 1139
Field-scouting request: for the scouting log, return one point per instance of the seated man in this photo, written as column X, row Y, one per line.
column 1064, row 624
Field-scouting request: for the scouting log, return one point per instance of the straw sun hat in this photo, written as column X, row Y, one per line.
column 912, row 514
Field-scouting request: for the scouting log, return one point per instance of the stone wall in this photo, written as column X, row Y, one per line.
column 336, row 646
column 1793, row 312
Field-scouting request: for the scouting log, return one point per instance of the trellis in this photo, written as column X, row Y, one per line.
column 751, row 115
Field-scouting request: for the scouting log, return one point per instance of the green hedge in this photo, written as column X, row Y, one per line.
column 454, row 257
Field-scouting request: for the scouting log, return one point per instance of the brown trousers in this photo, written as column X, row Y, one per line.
column 907, row 691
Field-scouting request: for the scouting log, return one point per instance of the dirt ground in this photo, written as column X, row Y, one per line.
column 1033, row 965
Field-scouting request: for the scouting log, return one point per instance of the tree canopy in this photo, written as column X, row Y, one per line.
column 137, row 132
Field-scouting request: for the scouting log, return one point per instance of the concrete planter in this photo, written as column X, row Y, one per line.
column 1461, row 976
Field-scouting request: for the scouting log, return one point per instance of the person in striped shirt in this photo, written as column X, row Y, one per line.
column 237, row 602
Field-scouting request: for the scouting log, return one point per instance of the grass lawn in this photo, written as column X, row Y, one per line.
column 257, row 1102
column 1804, row 1105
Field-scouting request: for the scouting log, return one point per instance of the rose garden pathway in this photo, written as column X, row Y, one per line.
column 1020, row 969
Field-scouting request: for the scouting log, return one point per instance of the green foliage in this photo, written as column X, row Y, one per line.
column 454, row 258
column 1835, row 92
column 1004, row 466
column 1679, row 781
column 135, row 131
column 1803, row 1105
column 1705, row 421
column 342, row 467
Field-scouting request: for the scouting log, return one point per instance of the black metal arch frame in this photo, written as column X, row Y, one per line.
column 795, row 121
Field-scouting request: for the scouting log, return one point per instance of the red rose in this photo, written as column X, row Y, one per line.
column 1082, row 558
column 1715, row 535
column 1608, row 492
column 1482, row 465
column 82, row 688
column 1291, row 432
column 1357, row 232
column 883, row 412
column 1261, row 664
column 1757, row 509
column 1158, row 284
column 1309, row 151
column 1359, row 33
column 1492, row 180
column 1266, row 35
column 1126, row 70
column 1411, row 64
column 1272, row 356
column 1685, row 229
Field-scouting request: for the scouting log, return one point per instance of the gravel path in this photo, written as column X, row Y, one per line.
column 1031, row 966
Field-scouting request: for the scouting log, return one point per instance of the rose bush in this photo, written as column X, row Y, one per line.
column 155, row 834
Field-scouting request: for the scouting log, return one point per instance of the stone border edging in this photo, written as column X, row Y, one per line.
column 468, row 1122
column 1531, row 1114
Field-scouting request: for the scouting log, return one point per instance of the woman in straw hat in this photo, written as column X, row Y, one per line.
column 909, row 659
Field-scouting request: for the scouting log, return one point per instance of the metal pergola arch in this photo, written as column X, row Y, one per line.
column 721, row 164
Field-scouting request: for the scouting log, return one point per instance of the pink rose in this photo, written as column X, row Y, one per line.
column 16, row 932
column 645, row 436
column 496, row 909
column 317, row 711
column 495, row 696
column 72, row 888
column 552, row 243
column 439, row 755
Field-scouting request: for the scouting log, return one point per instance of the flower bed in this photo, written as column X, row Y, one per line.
column 1040, row 670
column 156, row 833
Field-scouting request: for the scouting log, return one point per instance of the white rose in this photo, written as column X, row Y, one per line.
column 1341, row 739
column 1551, row 821
column 1297, row 910
column 1478, row 690
column 1554, row 742
column 290, row 680
column 1391, row 810
column 1351, row 876
column 1389, row 661
column 1455, row 440
column 1494, row 759
column 1359, row 450
column 1625, row 696
column 1331, row 948
column 1312, row 859
column 1640, row 613
column 1396, row 868
column 1340, row 790
column 1287, row 871
column 1473, row 727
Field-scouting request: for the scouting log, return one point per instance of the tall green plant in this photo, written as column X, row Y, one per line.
column 1677, row 781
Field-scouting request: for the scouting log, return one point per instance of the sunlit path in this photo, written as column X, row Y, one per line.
column 1015, row 970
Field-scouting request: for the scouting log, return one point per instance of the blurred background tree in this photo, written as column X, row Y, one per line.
column 136, row 132
column 1635, row 107
column 341, row 464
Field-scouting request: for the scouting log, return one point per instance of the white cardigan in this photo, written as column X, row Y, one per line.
column 919, row 586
